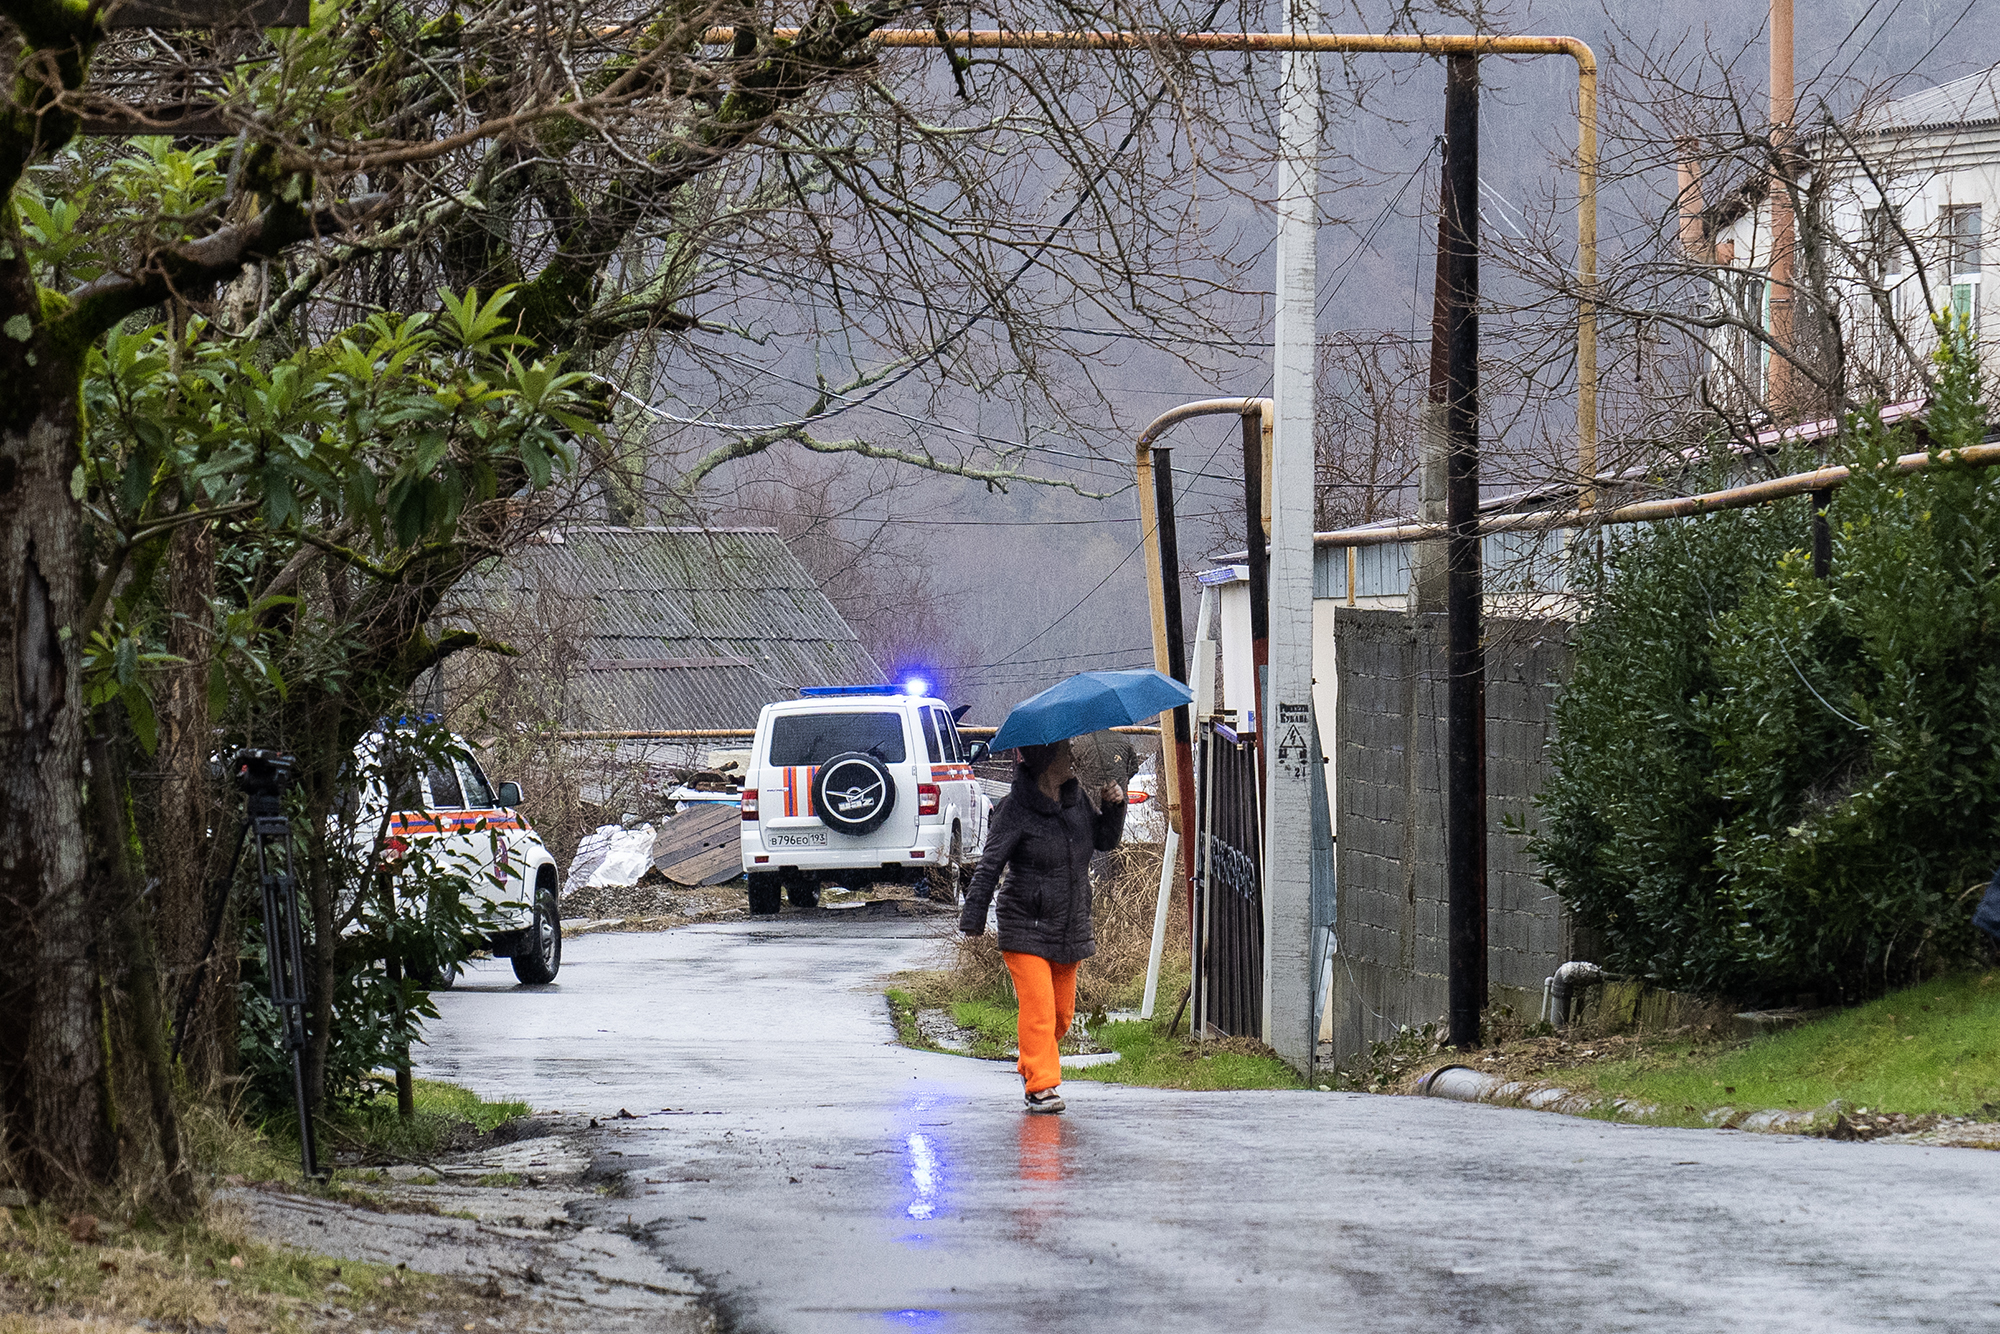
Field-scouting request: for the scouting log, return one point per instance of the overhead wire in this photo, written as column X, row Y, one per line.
column 1343, row 270
column 940, row 346
column 1164, row 342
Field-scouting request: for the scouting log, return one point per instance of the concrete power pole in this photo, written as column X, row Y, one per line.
column 1288, row 982
column 1427, row 574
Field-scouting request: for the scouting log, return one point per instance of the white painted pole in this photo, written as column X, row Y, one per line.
column 1288, row 980
column 1201, row 665
column 1169, row 859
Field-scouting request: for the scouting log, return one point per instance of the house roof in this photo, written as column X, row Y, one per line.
column 1964, row 103
column 678, row 627
column 1972, row 100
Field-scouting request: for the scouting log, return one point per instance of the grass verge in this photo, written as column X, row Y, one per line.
column 448, row 1117
column 903, row 1013
column 63, row 1274
column 1151, row 1059
column 1928, row 1049
column 973, row 988
column 1148, row 1057
column 60, row 1274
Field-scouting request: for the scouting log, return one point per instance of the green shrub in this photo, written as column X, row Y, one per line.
column 1770, row 783
column 418, row 906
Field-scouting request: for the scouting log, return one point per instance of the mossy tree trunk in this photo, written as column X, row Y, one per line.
column 53, row 1098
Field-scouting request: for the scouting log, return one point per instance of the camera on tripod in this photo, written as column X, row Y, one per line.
column 264, row 772
column 262, row 776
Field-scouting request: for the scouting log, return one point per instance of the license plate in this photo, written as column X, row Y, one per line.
column 806, row 838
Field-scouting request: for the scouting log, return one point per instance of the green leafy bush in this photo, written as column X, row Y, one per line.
column 411, row 900
column 1769, row 783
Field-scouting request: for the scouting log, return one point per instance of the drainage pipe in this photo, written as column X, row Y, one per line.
column 1567, row 981
column 1652, row 511
column 1459, row 1082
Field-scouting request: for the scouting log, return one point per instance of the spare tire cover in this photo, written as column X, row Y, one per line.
column 853, row 793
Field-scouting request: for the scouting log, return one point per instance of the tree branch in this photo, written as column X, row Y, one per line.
column 995, row 478
column 195, row 266
column 763, row 88
column 58, row 38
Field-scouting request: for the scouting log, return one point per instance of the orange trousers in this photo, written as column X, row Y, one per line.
column 1047, row 992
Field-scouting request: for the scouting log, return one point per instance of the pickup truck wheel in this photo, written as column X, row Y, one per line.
column 766, row 896
column 541, row 956
column 435, row 979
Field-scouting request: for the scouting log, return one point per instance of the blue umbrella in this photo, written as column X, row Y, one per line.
column 1090, row 702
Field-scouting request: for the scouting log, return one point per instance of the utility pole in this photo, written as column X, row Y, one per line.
column 1465, row 691
column 1288, row 979
column 1779, row 385
column 1427, row 573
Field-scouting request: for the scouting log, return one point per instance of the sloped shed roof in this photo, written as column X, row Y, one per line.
column 1972, row 100
column 682, row 627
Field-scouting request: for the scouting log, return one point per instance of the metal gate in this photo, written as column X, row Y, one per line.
column 1229, row 887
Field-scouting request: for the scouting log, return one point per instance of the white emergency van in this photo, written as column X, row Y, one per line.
column 860, row 784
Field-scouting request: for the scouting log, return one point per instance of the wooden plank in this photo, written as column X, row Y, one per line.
column 710, row 868
column 693, row 833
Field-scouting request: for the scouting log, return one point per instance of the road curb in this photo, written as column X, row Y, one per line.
column 1462, row 1083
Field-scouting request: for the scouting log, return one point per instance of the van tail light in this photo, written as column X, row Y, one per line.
column 927, row 799
column 750, row 804
column 1137, row 798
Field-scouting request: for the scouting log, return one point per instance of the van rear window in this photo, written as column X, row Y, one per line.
column 815, row 738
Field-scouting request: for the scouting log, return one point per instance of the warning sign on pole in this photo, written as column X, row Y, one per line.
column 1294, row 753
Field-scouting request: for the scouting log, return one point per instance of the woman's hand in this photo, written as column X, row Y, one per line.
column 1112, row 794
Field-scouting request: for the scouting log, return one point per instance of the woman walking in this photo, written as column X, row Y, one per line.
column 1043, row 836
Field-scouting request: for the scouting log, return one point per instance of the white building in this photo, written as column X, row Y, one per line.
column 1911, row 197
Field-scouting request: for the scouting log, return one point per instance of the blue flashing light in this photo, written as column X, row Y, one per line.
column 916, row 685
column 421, row 720
column 817, row 692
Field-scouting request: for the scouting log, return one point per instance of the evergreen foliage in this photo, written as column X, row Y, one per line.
column 1768, row 783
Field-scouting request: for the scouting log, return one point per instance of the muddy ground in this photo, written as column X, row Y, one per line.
column 498, row 1220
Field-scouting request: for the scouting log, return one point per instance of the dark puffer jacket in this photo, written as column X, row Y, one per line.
column 1045, row 847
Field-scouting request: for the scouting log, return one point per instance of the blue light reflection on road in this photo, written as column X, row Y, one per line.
column 926, row 1171
column 924, row 1177
column 927, row 1178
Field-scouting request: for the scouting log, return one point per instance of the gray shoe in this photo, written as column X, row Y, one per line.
column 1048, row 1100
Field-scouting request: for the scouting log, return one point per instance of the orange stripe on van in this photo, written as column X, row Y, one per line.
column 798, row 780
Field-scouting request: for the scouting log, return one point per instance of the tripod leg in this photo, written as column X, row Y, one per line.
column 406, row 1091
column 285, row 956
column 308, row 1149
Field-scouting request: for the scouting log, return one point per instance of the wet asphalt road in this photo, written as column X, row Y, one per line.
column 821, row 1178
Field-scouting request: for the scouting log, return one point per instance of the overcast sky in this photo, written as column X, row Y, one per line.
column 1049, row 583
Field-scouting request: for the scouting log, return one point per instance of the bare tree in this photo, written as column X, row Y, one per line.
column 1762, row 269
column 1367, row 427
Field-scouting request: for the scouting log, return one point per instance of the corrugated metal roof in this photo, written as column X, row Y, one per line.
column 680, row 599
column 1972, row 100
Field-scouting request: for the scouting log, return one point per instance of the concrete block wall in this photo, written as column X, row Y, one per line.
column 1389, row 818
